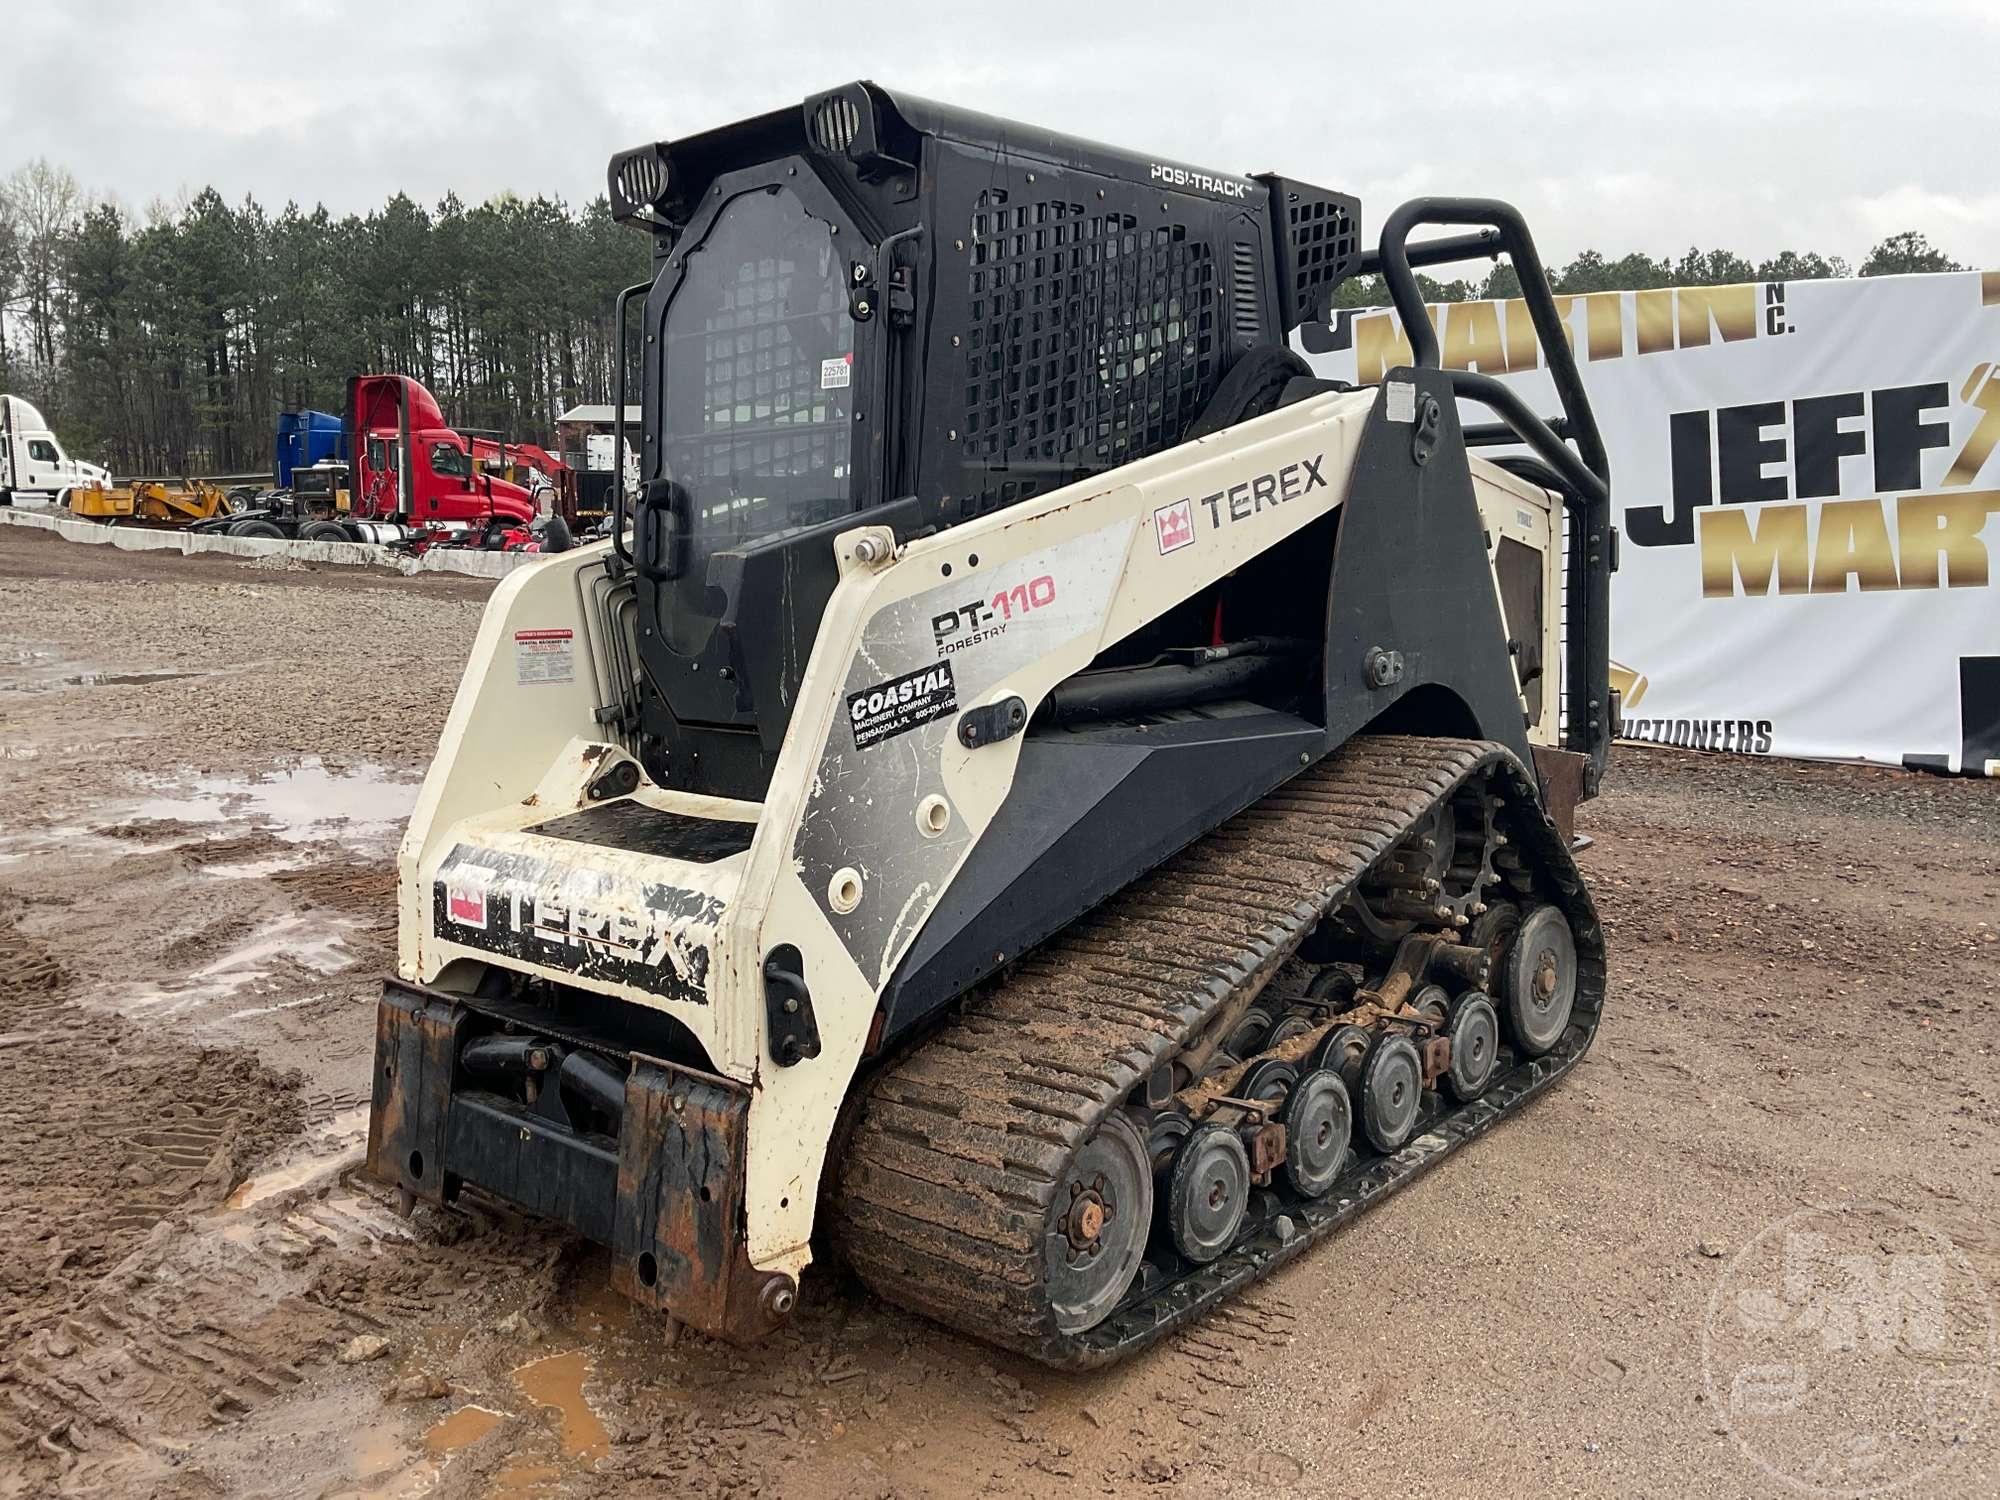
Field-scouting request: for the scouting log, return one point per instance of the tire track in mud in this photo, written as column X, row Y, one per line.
column 213, row 1315
column 113, row 1133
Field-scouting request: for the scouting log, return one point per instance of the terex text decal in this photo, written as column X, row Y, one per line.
column 654, row 937
column 1175, row 525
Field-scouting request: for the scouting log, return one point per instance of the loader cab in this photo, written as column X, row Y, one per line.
column 881, row 308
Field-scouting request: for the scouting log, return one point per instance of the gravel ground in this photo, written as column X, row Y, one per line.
column 200, row 1299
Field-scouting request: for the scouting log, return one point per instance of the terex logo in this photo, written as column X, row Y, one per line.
column 1765, row 451
column 465, row 896
column 1182, row 177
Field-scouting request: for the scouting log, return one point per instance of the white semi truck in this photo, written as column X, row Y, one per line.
column 33, row 465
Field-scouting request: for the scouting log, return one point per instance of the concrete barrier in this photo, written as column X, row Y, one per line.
column 466, row 561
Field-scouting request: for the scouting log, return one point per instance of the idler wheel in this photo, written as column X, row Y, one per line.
column 1208, row 1189
column 1098, row 1225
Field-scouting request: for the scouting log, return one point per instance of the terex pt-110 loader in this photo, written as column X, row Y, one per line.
column 1037, row 787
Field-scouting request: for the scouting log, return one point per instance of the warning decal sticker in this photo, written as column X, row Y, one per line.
column 544, row 656
column 901, row 704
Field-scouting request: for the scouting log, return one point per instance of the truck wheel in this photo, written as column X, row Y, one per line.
column 322, row 531
column 257, row 528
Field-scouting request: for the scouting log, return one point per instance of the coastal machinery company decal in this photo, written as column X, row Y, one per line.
column 1806, row 485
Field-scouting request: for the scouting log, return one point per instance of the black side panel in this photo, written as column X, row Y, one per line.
column 1090, row 811
column 1079, row 321
column 1411, row 581
column 777, row 591
column 639, row 829
column 1979, row 712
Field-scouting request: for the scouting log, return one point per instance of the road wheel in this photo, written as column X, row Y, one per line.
column 1539, row 981
column 1475, row 1046
column 1208, row 1189
column 322, row 531
column 1344, row 1049
column 1392, row 1090
column 257, row 528
column 1319, row 1121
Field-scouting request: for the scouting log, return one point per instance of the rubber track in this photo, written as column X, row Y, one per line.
column 958, row 1148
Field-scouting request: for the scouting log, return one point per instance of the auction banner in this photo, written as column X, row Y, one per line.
column 1806, row 488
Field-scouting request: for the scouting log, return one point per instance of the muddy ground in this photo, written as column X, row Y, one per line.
column 202, row 765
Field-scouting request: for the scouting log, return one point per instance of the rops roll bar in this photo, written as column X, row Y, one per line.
column 1584, row 471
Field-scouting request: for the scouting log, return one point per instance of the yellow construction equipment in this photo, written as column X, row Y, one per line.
column 152, row 502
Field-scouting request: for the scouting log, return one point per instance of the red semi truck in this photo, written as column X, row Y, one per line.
column 409, row 466
column 410, row 479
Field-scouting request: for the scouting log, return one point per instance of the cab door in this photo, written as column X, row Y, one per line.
column 44, row 464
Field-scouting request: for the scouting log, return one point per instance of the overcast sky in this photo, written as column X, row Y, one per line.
column 1757, row 125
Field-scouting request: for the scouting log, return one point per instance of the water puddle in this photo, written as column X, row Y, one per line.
column 102, row 679
column 305, row 802
column 557, row 1381
column 327, row 1151
column 461, row 1429
column 316, row 943
column 71, row 842
column 251, row 1012
column 376, row 1457
column 252, row 977
column 253, row 869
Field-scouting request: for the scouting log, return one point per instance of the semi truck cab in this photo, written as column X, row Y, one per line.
column 32, row 461
column 410, row 466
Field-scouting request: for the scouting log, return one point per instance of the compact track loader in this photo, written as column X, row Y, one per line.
column 1036, row 788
